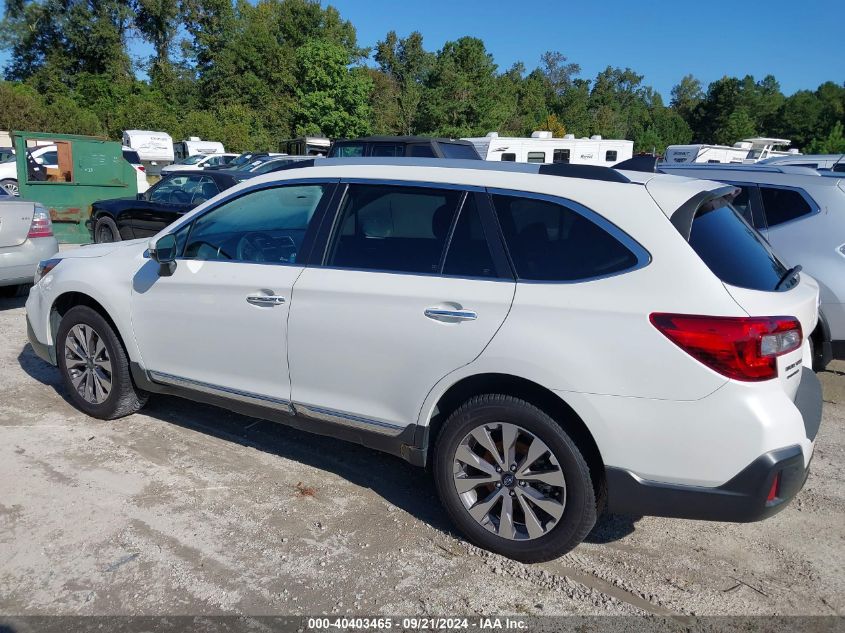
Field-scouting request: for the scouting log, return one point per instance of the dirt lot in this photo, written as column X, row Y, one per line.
column 188, row 509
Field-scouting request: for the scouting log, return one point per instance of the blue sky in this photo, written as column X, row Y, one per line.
column 798, row 42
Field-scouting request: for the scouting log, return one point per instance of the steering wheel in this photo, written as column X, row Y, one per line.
column 251, row 247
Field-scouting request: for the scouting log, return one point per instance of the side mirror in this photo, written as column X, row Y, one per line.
column 163, row 251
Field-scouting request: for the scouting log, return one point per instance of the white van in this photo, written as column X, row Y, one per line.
column 155, row 149
column 541, row 147
column 195, row 145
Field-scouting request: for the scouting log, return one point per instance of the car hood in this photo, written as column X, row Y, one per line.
column 99, row 250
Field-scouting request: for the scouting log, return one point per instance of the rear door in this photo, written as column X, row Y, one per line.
column 410, row 288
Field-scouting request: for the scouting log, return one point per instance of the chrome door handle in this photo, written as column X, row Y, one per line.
column 439, row 314
column 265, row 300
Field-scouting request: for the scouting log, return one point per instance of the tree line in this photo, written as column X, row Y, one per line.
column 251, row 75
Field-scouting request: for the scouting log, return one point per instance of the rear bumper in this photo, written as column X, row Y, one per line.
column 18, row 263
column 742, row 499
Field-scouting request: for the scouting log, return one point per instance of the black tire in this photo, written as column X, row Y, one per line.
column 124, row 397
column 580, row 510
column 106, row 231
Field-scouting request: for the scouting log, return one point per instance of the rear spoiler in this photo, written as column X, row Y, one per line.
column 645, row 163
column 702, row 201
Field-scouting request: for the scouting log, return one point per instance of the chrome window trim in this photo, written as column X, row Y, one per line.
column 219, row 390
column 642, row 255
column 420, row 184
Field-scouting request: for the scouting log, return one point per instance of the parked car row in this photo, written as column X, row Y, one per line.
column 550, row 340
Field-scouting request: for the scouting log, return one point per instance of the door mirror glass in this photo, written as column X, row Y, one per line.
column 164, row 249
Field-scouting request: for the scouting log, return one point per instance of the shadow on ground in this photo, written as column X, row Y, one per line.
column 406, row 487
column 12, row 303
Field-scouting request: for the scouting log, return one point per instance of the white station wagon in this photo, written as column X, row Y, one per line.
column 550, row 340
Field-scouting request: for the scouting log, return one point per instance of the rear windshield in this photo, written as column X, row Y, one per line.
column 458, row 150
column 131, row 156
column 735, row 252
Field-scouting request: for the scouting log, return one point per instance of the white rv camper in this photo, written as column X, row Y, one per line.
column 541, row 147
column 155, row 149
column 195, row 145
column 749, row 150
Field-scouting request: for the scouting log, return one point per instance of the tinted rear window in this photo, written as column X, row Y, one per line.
column 131, row 156
column 458, row 150
column 551, row 242
column 783, row 205
column 734, row 251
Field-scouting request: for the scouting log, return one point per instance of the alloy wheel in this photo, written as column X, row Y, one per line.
column 509, row 481
column 88, row 363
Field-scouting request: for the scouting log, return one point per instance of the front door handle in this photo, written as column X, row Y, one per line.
column 450, row 316
column 265, row 300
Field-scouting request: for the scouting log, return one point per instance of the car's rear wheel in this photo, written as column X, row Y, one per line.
column 106, row 231
column 94, row 366
column 512, row 480
column 10, row 185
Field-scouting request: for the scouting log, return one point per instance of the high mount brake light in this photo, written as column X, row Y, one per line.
column 742, row 348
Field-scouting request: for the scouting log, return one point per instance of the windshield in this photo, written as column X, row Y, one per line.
column 191, row 160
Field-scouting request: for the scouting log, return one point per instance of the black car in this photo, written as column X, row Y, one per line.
column 392, row 146
column 145, row 215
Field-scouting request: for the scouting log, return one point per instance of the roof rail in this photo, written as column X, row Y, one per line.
column 588, row 172
column 754, row 167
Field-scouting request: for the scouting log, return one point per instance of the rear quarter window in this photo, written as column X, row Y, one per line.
column 735, row 252
column 783, row 205
column 550, row 241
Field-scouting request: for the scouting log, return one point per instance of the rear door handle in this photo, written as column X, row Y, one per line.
column 265, row 300
column 450, row 316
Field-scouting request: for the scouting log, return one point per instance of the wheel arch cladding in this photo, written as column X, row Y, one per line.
column 68, row 300
column 533, row 393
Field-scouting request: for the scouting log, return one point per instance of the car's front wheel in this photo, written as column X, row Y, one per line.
column 95, row 367
column 512, row 480
column 106, row 231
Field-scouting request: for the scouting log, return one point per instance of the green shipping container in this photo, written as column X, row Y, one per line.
column 87, row 169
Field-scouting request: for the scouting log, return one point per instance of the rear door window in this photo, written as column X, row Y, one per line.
column 735, row 252
column 469, row 253
column 393, row 228
column 387, row 149
column 783, row 205
column 549, row 241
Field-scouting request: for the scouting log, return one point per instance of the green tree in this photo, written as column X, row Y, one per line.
column 686, row 96
column 333, row 99
column 462, row 97
column 833, row 143
column 407, row 64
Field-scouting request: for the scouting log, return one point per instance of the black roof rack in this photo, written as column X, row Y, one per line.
column 587, row 172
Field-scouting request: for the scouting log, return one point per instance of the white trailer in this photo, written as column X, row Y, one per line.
column 195, row 145
column 155, row 149
column 541, row 147
column 749, row 150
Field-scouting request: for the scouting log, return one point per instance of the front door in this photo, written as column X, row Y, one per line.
column 219, row 323
column 409, row 292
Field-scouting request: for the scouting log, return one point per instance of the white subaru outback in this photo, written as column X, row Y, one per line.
column 551, row 340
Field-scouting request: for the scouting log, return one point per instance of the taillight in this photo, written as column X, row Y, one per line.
column 140, row 168
column 742, row 348
column 41, row 226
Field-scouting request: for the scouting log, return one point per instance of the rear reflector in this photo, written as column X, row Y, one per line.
column 41, row 226
column 742, row 348
column 775, row 489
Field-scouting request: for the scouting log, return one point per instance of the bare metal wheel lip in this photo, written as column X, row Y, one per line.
column 88, row 364
column 509, row 481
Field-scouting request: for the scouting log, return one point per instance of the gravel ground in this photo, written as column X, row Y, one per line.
column 189, row 509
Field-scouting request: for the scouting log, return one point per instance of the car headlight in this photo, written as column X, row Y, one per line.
column 44, row 267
